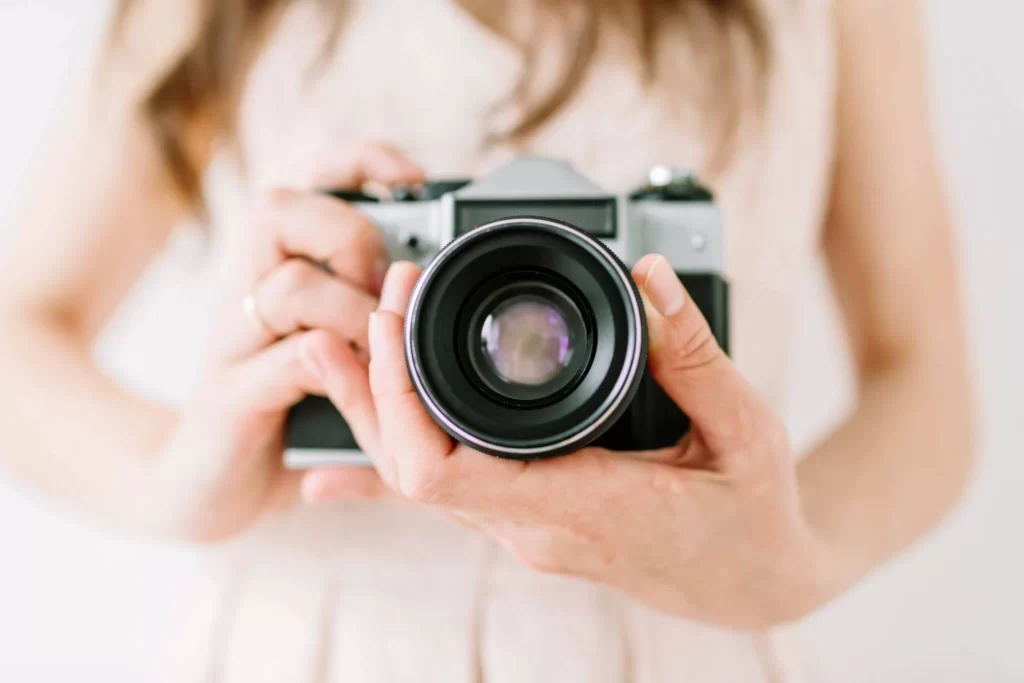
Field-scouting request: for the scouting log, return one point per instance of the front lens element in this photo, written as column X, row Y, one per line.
column 527, row 341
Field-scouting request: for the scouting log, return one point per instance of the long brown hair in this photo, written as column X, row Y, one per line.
column 205, row 81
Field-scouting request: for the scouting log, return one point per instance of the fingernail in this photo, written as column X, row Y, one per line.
column 663, row 288
column 309, row 359
column 392, row 296
column 380, row 271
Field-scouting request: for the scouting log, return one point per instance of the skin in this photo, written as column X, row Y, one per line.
column 723, row 528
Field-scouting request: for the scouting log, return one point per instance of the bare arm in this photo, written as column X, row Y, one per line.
column 98, row 209
column 102, row 208
column 900, row 462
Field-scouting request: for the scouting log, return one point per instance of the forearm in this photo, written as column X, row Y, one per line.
column 893, row 470
column 70, row 431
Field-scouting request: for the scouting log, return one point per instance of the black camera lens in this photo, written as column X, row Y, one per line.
column 526, row 338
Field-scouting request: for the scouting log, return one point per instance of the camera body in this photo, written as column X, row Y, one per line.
column 554, row 212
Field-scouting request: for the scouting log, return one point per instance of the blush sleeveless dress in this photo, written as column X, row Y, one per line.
column 383, row 592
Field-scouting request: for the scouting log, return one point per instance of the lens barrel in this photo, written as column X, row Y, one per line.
column 526, row 338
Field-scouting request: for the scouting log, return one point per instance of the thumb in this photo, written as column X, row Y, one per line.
column 686, row 360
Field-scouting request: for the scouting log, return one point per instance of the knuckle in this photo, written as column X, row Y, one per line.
column 356, row 245
column 691, row 352
column 696, row 347
column 361, row 236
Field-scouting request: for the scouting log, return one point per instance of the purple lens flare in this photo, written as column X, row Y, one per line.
column 527, row 341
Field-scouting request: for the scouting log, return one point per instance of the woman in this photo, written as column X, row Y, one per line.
column 809, row 120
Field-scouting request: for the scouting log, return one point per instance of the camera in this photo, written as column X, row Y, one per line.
column 525, row 335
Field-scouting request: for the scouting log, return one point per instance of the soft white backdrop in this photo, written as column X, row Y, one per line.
column 77, row 603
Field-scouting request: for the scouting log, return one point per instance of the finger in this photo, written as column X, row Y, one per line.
column 362, row 162
column 688, row 363
column 325, row 230
column 342, row 483
column 298, row 295
column 321, row 228
column 340, row 372
column 408, row 434
column 399, row 283
column 273, row 379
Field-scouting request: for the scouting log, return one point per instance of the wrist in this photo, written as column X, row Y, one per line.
column 121, row 488
column 172, row 495
column 811, row 573
column 154, row 495
column 829, row 572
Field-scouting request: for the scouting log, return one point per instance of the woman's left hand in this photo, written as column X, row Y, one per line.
column 711, row 529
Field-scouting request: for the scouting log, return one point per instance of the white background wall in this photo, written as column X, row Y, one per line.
column 77, row 603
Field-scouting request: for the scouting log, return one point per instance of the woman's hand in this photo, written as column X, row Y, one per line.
column 711, row 529
column 315, row 263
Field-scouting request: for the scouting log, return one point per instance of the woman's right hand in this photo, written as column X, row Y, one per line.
column 223, row 467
